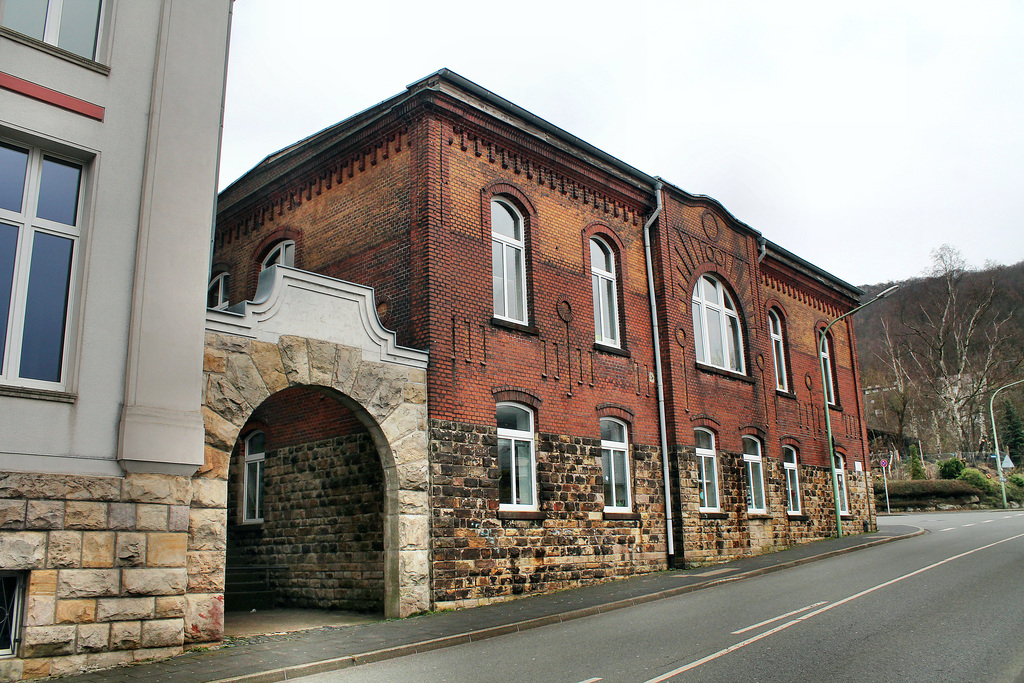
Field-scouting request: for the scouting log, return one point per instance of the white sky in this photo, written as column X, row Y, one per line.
column 859, row 136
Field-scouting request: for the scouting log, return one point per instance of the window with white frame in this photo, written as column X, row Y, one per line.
column 828, row 363
column 12, row 590
column 217, row 292
column 615, row 465
column 40, row 225
column 753, row 469
column 255, row 459
column 602, row 275
column 778, row 350
column 508, row 262
column 716, row 326
column 844, row 503
column 72, row 25
column 283, row 254
column 789, row 466
column 707, row 470
column 517, row 481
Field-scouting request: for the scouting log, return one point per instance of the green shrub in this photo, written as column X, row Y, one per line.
column 976, row 479
column 1017, row 480
column 916, row 468
column 951, row 469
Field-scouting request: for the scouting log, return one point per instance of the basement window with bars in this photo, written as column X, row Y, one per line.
column 12, row 589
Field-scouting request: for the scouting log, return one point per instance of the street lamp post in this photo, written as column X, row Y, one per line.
column 995, row 437
column 824, row 390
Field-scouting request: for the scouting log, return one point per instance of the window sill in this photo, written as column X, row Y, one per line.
column 621, row 516
column 797, row 516
column 522, row 514
column 55, row 51
column 251, row 522
column 785, row 394
column 38, row 394
column 517, row 327
column 836, row 407
column 729, row 374
column 714, row 515
column 758, row 515
column 611, row 350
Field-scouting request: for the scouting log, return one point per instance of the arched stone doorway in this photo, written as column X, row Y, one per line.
column 306, row 330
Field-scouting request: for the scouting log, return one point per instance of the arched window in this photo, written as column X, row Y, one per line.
column 282, row 254
column 604, row 281
column 517, row 482
column 255, row 455
column 789, row 465
column 707, row 470
column 217, row 292
column 615, row 465
column 754, row 471
column 844, row 503
column 778, row 350
column 828, row 362
column 716, row 326
column 508, row 262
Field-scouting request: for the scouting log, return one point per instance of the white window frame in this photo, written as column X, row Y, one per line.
column 791, row 469
column 11, row 608
column 611, row 476
column 753, row 470
column 219, row 289
column 844, row 503
column 827, row 362
column 29, row 225
column 514, row 437
column 778, row 350
column 504, row 299
column 281, row 254
column 51, row 26
column 257, row 458
column 707, row 463
column 606, row 307
column 730, row 330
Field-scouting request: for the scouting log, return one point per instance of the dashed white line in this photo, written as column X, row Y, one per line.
column 967, row 525
column 988, row 520
column 781, row 616
column 743, row 643
column 592, row 680
column 948, row 529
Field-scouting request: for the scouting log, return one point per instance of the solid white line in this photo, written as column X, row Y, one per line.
column 721, row 653
column 781, row 616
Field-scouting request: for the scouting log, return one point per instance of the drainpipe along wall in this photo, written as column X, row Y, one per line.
column 662, row 431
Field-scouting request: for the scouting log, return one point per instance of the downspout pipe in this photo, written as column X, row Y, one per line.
column 656, row 335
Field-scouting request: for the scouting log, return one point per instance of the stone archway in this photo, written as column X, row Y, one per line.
column 307, row 330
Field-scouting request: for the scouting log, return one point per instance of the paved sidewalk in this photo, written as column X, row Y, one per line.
column 279, row 657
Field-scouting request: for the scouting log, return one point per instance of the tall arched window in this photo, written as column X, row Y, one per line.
column 604, row 282
column 615, row 465
column 778, row 350
column 255, row 456
column 828, row 363
column 217, row 292
column 282, row 254
column 754, row 471
column 517, row 481
column 508, row 262
column 707, row 470
column 716, row 326
column 844, row 503
column 789, row 464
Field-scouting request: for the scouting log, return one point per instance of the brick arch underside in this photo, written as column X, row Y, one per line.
column 389, row 400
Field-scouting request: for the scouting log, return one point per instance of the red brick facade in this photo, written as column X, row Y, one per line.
column 399, row 198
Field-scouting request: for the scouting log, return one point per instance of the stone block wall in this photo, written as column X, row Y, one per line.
column 481, row 554
column 323, row 524
column 116, row 569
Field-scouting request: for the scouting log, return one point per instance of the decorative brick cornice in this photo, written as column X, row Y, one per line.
column 789, row 287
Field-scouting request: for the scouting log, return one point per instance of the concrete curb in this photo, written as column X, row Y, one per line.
column 327, row 665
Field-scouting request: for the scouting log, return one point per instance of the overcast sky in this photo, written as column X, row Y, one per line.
column 859, row 136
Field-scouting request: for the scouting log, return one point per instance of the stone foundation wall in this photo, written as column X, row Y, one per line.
column 323, row 524
column 481, row 554
column 709, row 537
column 117, row 569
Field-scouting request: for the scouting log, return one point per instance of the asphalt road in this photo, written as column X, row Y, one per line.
column 945, row 606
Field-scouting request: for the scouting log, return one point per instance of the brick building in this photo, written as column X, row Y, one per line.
column 561, row 404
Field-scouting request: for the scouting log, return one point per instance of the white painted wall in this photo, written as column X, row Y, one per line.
column 139, row 304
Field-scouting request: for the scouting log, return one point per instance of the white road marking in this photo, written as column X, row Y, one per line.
column 592, row 680
column 988, row 520
column 948, row 529
column 967, row 525
column 781, row 616
column 743, row 643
